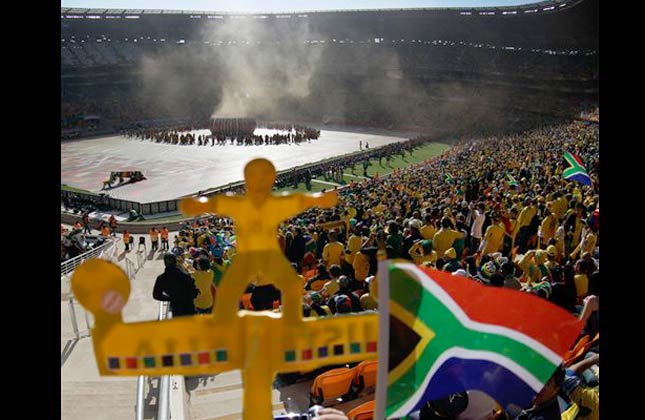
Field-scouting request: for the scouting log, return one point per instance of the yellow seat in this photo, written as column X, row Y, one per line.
column 582, row 347
column 571, row 355
column 364, row 411
column 332, row 384
column 317, row 285
column 365, row 374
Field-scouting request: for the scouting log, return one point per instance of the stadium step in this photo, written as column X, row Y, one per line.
column 141, row 306
column 219, row 397
column 105, row 399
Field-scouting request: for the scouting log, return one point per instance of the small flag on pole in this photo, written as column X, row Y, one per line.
column 512, row 182
column 444, row 334
column 576, row 170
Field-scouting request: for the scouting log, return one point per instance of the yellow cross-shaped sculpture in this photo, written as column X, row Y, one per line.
column 261, row 344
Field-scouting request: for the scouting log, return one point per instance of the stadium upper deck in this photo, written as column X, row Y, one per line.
column 537, row 25
column 430, row 66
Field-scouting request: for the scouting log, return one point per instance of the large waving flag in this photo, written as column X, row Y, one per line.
column 448, row 334
column 576, row 170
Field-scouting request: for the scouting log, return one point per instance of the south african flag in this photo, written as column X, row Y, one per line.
column 445, row 334
column 576, row 170
column 449, row 179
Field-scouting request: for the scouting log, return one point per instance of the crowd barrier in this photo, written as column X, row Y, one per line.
column 106, row 251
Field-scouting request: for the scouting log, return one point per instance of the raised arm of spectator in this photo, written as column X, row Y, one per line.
column 585, row 364
column 591, row 305
column 524, row 263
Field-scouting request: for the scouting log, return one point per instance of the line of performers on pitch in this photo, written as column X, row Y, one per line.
column 174, row 136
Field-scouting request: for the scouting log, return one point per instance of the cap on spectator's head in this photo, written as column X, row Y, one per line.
column 461, row 272
column 368, row 302
column 426, row 244
column 315, row 297
column 451, row 253
column 551, row 250
column 414, row 223
column 343, row 304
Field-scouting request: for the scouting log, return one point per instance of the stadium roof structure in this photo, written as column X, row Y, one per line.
column 548, row 6
column 557, row 25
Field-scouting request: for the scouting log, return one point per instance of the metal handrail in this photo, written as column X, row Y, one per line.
column 163, row 407
column 70, row 265
column 105, row 251
column 164, row 382
column 140, row 398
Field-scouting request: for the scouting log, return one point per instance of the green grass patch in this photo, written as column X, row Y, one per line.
column 396, row 162
column 64, row 187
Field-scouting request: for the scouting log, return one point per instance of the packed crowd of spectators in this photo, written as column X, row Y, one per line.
column 495, row 210
column 411, row 54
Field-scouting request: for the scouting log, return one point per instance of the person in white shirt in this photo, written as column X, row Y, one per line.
column 478, row 216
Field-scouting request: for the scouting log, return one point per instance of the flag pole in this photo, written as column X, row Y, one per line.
column 383, row 338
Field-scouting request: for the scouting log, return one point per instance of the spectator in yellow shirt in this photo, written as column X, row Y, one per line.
column 331, row 287
column 494, row 236
column 548, row 225
column 354, row 245
column 445, row 237
column 333, row 251
column 524, row 223
column 428, row 229
column 560, row 205
column 361, row 266
column 203, row 281
column 422, row 252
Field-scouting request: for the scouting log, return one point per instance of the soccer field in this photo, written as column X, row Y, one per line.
column 174, row 171
column 418, row 155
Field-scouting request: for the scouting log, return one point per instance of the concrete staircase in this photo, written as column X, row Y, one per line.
column 219, row 397
column 98, row 399
column 85, row 394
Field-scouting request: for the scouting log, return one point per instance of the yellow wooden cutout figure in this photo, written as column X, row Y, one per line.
column 261, row 344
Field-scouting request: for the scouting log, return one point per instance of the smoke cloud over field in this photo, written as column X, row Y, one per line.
column 260, row 64
column 283, row 69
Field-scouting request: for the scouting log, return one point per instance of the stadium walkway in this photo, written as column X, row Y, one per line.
column 86, row 395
